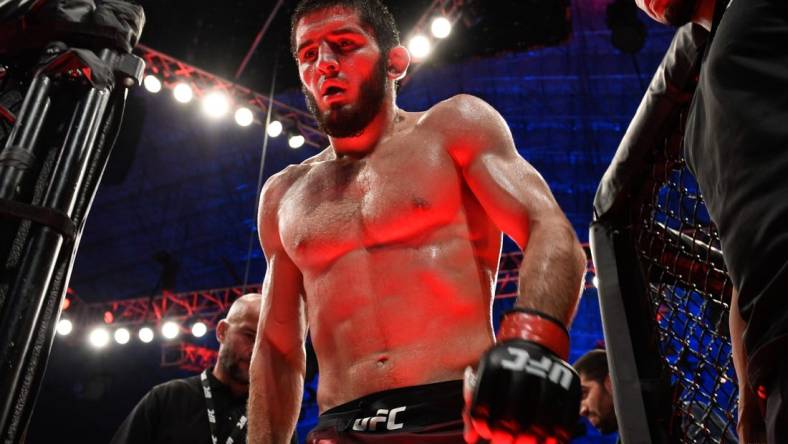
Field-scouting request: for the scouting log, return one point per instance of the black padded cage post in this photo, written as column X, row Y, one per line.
column 53, row 161
column 663, row 289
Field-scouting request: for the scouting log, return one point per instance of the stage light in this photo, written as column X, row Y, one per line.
column 199, row 329
column 244, row 116
column 215, row 104
column 170, row 330
column 441, row 27
column 595, row 281
column 66, row 304
column 64, row 327
column 99, row 337
column 275, row 128
column 183, row 93
column 152, row 84
column 122, row 336
column 420, row 47
column 296, row 141
column 108, row 317
column 146, row 334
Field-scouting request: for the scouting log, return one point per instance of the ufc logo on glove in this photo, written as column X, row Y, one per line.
column 521, row 362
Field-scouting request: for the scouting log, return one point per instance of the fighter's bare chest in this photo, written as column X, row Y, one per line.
column 342, row 205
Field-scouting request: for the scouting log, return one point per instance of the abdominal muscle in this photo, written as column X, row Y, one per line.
column 397, row 317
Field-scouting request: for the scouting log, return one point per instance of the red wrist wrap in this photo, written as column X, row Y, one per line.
column 543, row 330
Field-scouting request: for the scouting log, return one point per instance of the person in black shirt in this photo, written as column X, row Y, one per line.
column 177, row 411
column 736, row 144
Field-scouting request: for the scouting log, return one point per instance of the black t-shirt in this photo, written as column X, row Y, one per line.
column 175, row 412
column 737, row 146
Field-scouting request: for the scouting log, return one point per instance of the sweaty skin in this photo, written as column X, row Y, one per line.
column 386, row 244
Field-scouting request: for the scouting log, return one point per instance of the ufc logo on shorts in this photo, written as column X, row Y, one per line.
column 544, row 368
column 388, row 417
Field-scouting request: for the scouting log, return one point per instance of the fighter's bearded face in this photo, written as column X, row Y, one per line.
column 673, row 12
column 342, row 70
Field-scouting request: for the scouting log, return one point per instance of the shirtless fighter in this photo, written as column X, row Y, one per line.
column 386, row 246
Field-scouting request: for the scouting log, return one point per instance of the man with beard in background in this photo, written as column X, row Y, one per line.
column 386, row 247
column 597, row 391
column 736, row 144
column 207, row 408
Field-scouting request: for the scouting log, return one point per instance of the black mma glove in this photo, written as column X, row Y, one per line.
column 523, row 385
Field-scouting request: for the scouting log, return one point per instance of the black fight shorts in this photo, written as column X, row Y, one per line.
column 429, row 413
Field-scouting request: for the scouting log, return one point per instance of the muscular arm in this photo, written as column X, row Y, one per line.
column 520, row 203
column 279, row 360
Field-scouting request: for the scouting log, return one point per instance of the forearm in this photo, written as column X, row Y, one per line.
column 552, row 271
column 275, row 391
column 739, row 354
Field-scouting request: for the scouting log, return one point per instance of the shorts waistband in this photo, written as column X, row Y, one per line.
column 400, row 410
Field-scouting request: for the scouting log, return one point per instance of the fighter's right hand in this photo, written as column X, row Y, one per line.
column 522, row 392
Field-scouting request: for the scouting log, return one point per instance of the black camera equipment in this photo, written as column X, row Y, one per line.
column 73, row 58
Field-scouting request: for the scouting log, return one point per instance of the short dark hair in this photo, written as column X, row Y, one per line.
column 593, row 365
column 374, row 15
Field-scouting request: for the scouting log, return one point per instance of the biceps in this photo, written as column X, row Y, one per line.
column 512, row 193
column 283, row 312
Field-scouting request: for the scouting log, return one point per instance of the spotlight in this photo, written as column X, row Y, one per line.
column 99, row 337
column 275, row 128
column 122, row 336
column 64, row 327
column 183, row 93
column 199, row 329
column 152, row 84
column 296, row 141
column 441, row 27
column 170, row 330
column 595, row 281
column 146, row 334
column 215, row 104
column 244, row 116
column 420, row 47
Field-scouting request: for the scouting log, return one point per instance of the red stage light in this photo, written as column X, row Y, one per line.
column 66, row 304
column 109, row 317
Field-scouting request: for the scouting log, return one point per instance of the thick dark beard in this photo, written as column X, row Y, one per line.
column 680, row 12
column 351, row 120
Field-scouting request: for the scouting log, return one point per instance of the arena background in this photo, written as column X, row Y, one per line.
column 181, row 190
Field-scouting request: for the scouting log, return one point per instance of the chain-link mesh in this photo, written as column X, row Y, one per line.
column 689, row 293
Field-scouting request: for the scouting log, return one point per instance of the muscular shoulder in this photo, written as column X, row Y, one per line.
column 462, row 113
column 278, row 184
column 470, row 126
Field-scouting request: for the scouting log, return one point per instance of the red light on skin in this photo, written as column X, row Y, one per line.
column 109, row 317
column 762, row 392
column 66, row 304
